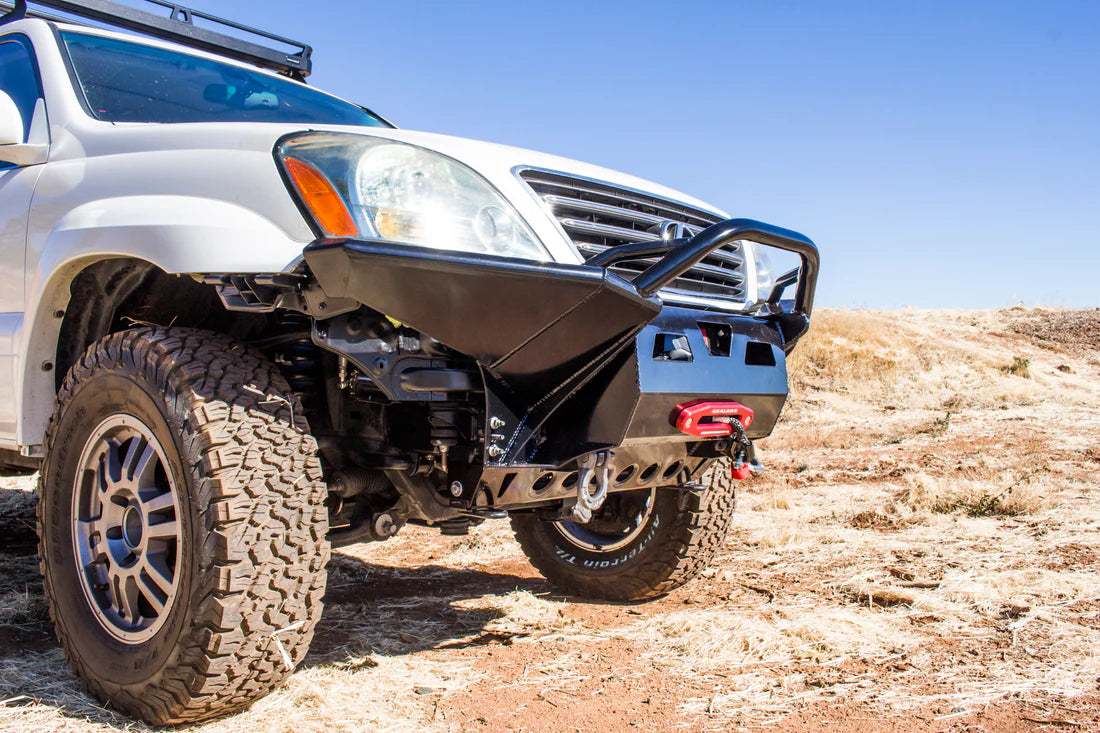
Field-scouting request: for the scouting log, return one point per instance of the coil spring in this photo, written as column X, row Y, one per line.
column 299, row 358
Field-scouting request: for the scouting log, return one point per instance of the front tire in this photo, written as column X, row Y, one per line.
column 181, row 523
column 639, row 545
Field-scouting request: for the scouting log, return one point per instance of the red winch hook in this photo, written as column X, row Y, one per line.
column 710, row 419
column 690, row 418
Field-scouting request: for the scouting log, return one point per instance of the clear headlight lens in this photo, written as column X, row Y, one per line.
column 406, row 194
column 765, row 272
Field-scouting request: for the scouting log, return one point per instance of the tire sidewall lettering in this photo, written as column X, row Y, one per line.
column 608, row 561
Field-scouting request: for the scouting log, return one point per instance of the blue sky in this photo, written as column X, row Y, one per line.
column 939, row 153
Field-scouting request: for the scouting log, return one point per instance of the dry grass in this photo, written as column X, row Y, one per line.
column 21, row 601
column 1075, row 331
column 720, row 640
column 852, row 349
column 1024, row 495
column 1020, row 367
column 925, row 542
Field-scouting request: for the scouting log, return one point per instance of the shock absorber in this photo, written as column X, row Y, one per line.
column 444, row 431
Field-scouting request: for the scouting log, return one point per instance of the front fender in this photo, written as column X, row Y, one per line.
column 178, row 234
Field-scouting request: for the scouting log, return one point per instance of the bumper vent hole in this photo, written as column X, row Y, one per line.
column 508, row 479
column 542, row 483
column 625, row 474
column 759, row 354
column 671, row 470
column 650, row 472
column 672, row 347
column 718, row 337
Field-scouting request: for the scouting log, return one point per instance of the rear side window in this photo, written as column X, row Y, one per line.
column 19, row 79
column 132, row 82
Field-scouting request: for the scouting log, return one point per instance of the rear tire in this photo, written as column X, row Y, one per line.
column 181, row 523
column 632, row 551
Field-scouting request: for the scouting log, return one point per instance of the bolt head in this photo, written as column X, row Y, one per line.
column 495, row 423
column 456, row 489
column 495, row 450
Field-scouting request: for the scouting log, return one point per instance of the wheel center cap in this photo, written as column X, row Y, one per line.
column 133, row 526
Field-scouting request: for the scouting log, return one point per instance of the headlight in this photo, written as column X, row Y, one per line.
column 765, row 273
column 402, row 193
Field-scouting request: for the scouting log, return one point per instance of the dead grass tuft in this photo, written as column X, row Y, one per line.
column 882, row 596
column 708, row 640
column 1021, row 496
column 880, row 520
column 522, row 614
column 21, row 601
column 19, row 500
column 1020, row 367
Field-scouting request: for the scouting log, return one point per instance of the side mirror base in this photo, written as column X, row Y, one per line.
column 24, row 154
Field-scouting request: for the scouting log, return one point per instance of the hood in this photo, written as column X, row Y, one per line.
column 497, row 163
column 486, row 155
column 500, row 163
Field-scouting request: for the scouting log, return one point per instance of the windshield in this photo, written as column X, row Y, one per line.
column 132, row 82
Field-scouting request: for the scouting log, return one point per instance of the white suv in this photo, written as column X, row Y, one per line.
column 242, row 321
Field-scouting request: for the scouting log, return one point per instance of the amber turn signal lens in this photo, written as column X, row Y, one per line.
column 321, row 198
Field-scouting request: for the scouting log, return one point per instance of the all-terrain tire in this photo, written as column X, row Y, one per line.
column 252, row 553
column 680, row 538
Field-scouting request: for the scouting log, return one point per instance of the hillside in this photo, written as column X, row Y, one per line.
column 922, row 554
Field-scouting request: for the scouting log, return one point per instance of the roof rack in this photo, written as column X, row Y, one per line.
column 178, row 27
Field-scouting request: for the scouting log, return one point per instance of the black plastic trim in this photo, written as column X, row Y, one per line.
column 178, row 28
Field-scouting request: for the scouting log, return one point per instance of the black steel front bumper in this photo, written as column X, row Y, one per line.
column 574, row 358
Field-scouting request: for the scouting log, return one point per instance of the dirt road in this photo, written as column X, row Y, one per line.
column 923, row 555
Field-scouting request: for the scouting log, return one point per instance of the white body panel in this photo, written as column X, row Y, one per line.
column 189, row 198
column 16, row 188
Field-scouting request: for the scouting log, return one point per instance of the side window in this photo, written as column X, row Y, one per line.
column 19, row 79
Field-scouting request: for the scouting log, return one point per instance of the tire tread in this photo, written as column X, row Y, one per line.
column 255, row 471
column 699, row 526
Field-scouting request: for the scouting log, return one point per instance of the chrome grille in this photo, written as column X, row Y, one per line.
column 599, row 215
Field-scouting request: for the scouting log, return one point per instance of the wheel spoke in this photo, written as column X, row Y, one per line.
column 102, row 480
column 124, row 595
column 157, row 569
column 114, row 588
column 131, row 595
column 91, row 537
column 140, row 462
column 151, row 591
column 151, row 597
column 112, row 464
column 158, row 503
column 164, row 530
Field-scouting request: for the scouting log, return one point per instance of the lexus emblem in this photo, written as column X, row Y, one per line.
column 668, row 230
